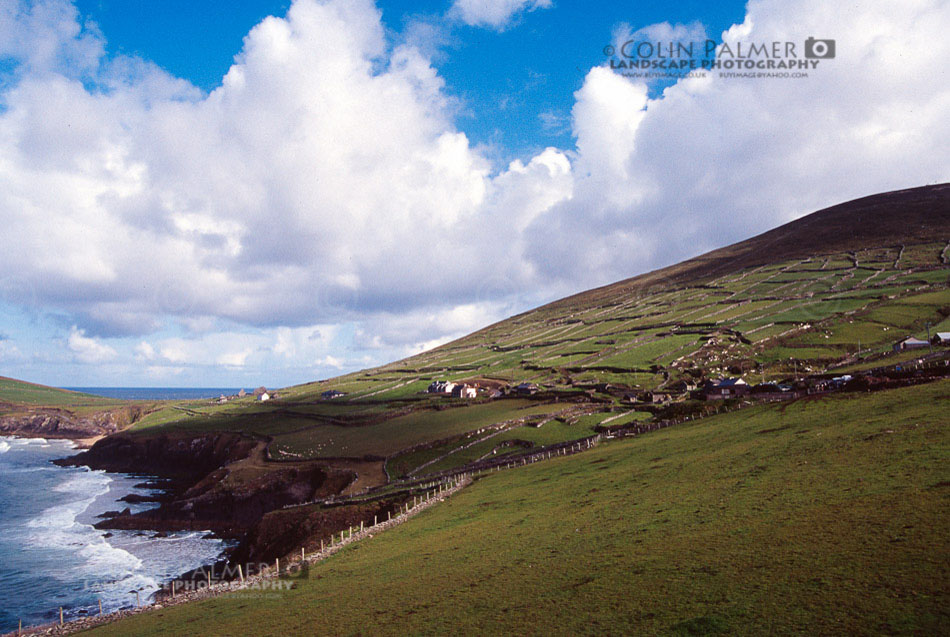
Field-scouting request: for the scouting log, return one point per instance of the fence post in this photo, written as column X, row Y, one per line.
column 60, row 615
column 209, row 579
column 100, row 607
column 277, row 565
column 240, row 573
column 303, row 555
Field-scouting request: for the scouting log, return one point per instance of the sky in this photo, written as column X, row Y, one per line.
column 273, row 192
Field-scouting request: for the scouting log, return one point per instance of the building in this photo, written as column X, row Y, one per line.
column 910, row 343
column 941, row 338
column 464, row 391
column 725, row 388
column 441, row 387
column 263, row 396
column 683, row 386
column 242, row 394
column 526, row 389
column 330, row 394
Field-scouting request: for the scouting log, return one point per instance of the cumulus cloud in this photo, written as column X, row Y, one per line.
column 713, row 160
column 88, row 350
column 324, row 183
column 495, row 14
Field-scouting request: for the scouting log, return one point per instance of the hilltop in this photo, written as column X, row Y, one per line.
column 912, row 216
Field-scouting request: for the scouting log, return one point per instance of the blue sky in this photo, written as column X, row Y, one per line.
column 505, row 80
column 194, row 195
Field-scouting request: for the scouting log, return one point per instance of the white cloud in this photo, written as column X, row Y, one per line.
column 631, row 43
column 88, row 350
column 324, row 189
column 496, row 14
column 717, row 159
column 233, row 359
column 330, row 361
column 144, row 351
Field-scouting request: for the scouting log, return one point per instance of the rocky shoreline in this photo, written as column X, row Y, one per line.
column 269, row 581
column 62, row 424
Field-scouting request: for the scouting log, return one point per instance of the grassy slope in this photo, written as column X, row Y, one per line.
column 17, row 396
column 818, row 517
column 804, row 297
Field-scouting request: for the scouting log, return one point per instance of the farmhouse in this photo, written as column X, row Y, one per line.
column 526, row 389
column 441, row 387
column 941, row 338
column 654, row 397
column 725, row 388
column 330, row 394
column 263, row 397
column 910, row 343
column 464, row 391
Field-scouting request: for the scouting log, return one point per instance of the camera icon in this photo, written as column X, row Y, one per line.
column 819, row 49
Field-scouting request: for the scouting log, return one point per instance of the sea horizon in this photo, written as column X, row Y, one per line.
column 159, row 393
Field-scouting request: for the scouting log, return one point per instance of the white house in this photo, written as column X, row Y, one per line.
column 441, row 387
column 465, row 391
column 264, row 396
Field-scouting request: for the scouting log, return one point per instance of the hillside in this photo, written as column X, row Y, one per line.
column 671, row 529
column 837, row 286
column 37, row 410
column 830, row 292
column 820, row 517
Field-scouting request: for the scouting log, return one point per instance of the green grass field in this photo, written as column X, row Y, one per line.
column 816, row 517
column 779, row 308
column 405, row 431
column 22, row 393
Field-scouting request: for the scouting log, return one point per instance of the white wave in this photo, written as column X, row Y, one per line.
column 93, row 558
column 86, row 482
column 4, row 446
column 111, row 568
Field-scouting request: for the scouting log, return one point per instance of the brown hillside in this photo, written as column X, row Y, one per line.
column 914, row 215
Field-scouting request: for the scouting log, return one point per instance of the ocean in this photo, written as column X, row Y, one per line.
column 51, row 556
column 158, row 393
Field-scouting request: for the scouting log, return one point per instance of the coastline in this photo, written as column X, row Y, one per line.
column 268, row 579
column 103, row 564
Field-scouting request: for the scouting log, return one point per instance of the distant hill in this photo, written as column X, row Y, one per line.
column 911, row 216
column 29, row 409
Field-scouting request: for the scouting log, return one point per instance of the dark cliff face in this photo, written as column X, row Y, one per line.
column 218, row 481
column 169, row 456
column 282, row 532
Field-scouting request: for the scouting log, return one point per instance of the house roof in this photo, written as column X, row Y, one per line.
column 943, row 336
column 912, row 339
column 730, row 382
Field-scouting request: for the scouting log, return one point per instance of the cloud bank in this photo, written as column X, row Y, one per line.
column 325, row 183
